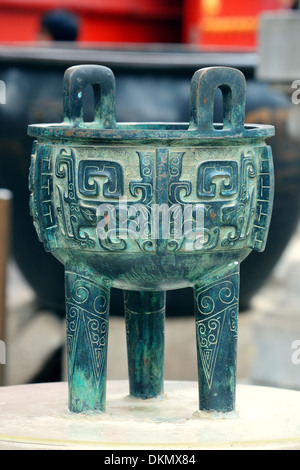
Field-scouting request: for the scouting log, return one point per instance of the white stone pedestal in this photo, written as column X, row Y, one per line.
column 36, row 417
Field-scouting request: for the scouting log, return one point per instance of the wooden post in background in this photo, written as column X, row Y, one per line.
column 5, row 230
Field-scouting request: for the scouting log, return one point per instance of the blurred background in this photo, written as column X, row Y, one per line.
column 153, row 48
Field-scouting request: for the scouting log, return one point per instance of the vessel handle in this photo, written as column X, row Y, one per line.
column 204, row 84
column 102, row 79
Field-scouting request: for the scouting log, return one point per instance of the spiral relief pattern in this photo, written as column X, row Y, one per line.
column 217, row 296
column 230, row 190
column 87, row 306
column 216, row 315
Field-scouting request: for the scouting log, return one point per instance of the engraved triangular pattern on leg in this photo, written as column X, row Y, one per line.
column 96, row 329
column 209, row 332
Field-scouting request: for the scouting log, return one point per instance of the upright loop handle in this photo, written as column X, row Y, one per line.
column 101, row 78
column 204, row 84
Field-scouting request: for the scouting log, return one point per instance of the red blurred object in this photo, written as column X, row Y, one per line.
column 140, row 21
column 215, row 24
column 224, row 24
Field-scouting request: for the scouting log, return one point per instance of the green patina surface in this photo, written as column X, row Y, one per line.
column 94, row 189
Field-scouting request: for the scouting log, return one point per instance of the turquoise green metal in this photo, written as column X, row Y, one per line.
column 151, row 207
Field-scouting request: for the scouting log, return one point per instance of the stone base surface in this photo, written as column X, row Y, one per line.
column 36, row 417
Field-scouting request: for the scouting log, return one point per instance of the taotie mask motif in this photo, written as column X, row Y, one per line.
column 147, row 208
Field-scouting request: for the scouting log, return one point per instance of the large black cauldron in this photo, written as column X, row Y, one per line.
column 152, row 86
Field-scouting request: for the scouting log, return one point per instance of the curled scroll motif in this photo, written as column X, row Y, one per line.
column 97, row 332
column 206, row 240
column 112, row 243
column 65, row 169
column 217, row 178
column 77, row 214
column 216, row 321
column 124, row 225
column 217, row 296
column 73, row 316
column 143, row 189
column 226, row 189
column 233, row 312
column 209, row 333
column 240, row 214
column 177, row 188
column 208, row 338
column 68, row 210
column 72, row 223
column 88, row 211
column 87, row 307
column 90, row 170
column 248, row 172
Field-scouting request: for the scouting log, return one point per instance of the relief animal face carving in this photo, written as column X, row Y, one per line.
column 234, row 194
column 149, row 208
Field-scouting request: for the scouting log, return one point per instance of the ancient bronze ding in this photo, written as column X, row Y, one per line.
column 146, row 208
